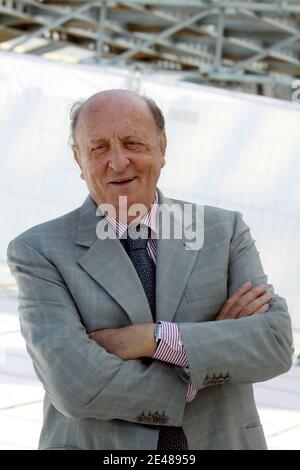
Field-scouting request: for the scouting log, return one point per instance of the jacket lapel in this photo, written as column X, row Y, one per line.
column 108, row 264
column 176, row 257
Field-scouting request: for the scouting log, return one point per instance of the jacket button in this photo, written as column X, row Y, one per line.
column 141, row 417
column 164, row 419
column 227, row 378
column 208, row 381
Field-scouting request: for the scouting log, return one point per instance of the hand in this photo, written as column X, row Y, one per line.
column 130, row 342
column 245, row 302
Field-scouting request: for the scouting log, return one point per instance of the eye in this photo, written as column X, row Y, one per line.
column 99, row 147
column 134, row 144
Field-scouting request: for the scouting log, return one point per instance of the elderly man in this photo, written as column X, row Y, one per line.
column 141, row 340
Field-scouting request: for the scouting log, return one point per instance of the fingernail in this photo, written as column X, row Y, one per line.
column 247, row 284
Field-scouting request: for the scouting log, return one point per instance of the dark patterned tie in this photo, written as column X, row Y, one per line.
column 170, row 437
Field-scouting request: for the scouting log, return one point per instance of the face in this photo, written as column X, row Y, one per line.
column 119, row 149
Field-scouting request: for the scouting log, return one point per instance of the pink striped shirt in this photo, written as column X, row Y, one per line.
column 170, row 348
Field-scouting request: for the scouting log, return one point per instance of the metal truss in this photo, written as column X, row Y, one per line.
column 206, row 41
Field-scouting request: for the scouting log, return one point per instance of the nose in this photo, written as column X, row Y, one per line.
column 118, row 160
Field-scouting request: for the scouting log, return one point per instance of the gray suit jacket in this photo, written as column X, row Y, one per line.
column 70, row 282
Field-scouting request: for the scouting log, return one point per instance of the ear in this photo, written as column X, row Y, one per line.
column 77, row 159
column 163, row 147
column 163, row 142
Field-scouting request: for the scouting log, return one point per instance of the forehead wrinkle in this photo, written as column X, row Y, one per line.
column 118, row 101
column 136, row 111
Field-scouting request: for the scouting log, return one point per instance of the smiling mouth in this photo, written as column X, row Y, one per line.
column 122, row 182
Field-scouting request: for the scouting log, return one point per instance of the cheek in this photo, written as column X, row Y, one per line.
column 95, row 170
column 94, row 179
column 152, row 166
column 156, row 169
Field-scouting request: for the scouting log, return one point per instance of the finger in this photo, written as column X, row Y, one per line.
column 243, row 303
column 255, row 305
column 93, row 336
column 240, row 306
column 233, row 299
column 263, row 309
column 252, row 295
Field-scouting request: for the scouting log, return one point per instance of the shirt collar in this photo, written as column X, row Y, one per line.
column 149, row 220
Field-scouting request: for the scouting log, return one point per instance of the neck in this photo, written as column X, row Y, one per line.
column 131, row 215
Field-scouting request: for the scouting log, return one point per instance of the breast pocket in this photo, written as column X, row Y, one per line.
column 207, row 285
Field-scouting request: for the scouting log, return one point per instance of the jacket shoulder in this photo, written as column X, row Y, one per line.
column 65, row 225
column 220, row 214
column 211, row 212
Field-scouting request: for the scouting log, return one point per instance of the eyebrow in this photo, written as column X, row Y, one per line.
column 127, row 137
column 133, row 137
column 97, row 141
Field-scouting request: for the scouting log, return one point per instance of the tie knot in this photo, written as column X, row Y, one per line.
column 137, row 237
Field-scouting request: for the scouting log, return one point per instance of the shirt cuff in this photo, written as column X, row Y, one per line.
column 170, row 348
column 191, row 393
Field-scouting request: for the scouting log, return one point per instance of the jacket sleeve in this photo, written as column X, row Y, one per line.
column 247, row 350
column 81, row 378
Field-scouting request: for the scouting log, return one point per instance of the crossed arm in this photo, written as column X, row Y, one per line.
column 137, row 341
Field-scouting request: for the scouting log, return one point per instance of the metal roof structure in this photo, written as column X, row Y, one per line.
column 234, row 44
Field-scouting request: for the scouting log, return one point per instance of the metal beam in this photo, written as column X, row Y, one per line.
column 147, row 51
column 274, row 80
column 183, row 48
column 165, row 33
column 219, row 40
column 100, row 31
column 281, row 27
column 284, row 42
column 23, row 16
column 240, row 77
column 51, row 47
column 198, row 30
column 122, row 43
column 171, row 18
column 283, row 6
column 186, row 48
column 52, row 24
column 44, row 7
column 260, row 7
